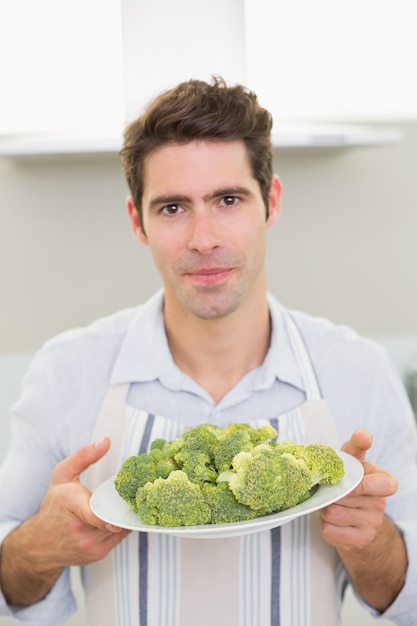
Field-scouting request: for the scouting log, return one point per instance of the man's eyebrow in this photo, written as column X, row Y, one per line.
column 165, row 200
column 227, row 191
column 168, row 199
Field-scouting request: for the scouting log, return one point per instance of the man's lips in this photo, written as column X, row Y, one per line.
column 209, row 275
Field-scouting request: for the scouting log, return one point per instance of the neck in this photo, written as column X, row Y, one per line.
column 218, row 353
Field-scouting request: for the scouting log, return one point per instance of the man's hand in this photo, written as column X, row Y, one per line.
column 368, row 543
column 63, row 532
column 354, row 521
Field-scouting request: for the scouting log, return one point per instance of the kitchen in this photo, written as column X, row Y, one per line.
column 65, row 242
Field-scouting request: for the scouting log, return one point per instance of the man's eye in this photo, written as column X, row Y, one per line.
column 170, row 209
column 229, row 200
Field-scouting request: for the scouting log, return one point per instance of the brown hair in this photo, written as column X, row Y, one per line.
column 196, row 110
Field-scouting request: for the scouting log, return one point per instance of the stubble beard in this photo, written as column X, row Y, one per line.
column 212, row 303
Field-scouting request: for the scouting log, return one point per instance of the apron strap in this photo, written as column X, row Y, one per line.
column 110, row 422
column 303, row 360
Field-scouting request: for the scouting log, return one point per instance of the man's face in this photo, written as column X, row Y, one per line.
column 204, row 219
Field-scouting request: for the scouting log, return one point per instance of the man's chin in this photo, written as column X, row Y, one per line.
column 211, row 310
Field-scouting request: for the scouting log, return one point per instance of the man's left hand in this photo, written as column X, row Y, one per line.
column 353, row 521
column 370, row 546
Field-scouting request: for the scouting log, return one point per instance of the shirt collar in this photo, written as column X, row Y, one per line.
column 144, row 354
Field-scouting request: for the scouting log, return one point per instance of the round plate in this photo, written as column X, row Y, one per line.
column 109, row 506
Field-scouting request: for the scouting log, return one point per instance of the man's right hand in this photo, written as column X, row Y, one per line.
column 64, row 532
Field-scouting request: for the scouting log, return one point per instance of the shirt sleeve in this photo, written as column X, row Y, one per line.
column 396, row 450
column 54, row 416
column 382, row 406
column 54, row 610
column 36, row 447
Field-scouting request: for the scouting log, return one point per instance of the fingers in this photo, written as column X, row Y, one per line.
column 376, row 482
column 78, row 504
column 354, row 521
column 70, row 468
column 65, row 527
column 346, row 528
column 77, row 498
column 359, row 443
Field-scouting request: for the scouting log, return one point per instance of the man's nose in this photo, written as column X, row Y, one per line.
column 205, row 232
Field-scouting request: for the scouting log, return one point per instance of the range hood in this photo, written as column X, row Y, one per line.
column 285, row 136
column 143, row 79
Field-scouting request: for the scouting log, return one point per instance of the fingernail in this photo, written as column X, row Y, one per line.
column 97, row 443
column 113, row 529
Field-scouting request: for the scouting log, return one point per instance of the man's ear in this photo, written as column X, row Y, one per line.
column 135, row 221
column 274, row 201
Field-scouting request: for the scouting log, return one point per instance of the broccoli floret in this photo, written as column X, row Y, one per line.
column 240, row 438
column 197, row 465
column 233, row 428
column 194, row 453
column 126, row 480
column 289, row 447
column 227, row 449
column 266, row 481
column 217, row 431
column 224, row 506
column 201, row 438
column 259, row 434
column 262, row 434
column 172, row 501
column 160, row 444
column 138, row 470
column 325, row 464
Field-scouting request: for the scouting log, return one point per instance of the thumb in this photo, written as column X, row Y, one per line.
column 359, row 443
column 70, row 468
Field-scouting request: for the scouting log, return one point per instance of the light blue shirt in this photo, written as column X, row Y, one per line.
column 67, row 381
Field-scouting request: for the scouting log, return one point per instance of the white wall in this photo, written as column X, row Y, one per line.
column 66, row 251
column 344, row 247
column 346, row 244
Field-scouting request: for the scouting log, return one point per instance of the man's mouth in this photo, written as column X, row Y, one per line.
column 209, row 275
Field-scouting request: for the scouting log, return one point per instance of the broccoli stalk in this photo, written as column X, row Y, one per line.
column 196, row 464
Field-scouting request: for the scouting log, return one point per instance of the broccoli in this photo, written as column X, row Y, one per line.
column 223, row 504
column 228, row 448
column 239, row 438
column 201, row 438
column 160, row 444
column 262, row 434
column 172, row 501
column 138, row 470
column 196, row 464
column 259, row 434
column 324, row 463
column 214, row 475
column 267, row 481
column 232, row 428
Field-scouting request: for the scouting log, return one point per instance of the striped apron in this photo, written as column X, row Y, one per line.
column 287, row 576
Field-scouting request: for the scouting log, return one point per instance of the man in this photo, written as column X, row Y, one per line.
column 213, row 346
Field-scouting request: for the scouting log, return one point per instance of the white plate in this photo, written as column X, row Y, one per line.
column 109, row 506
